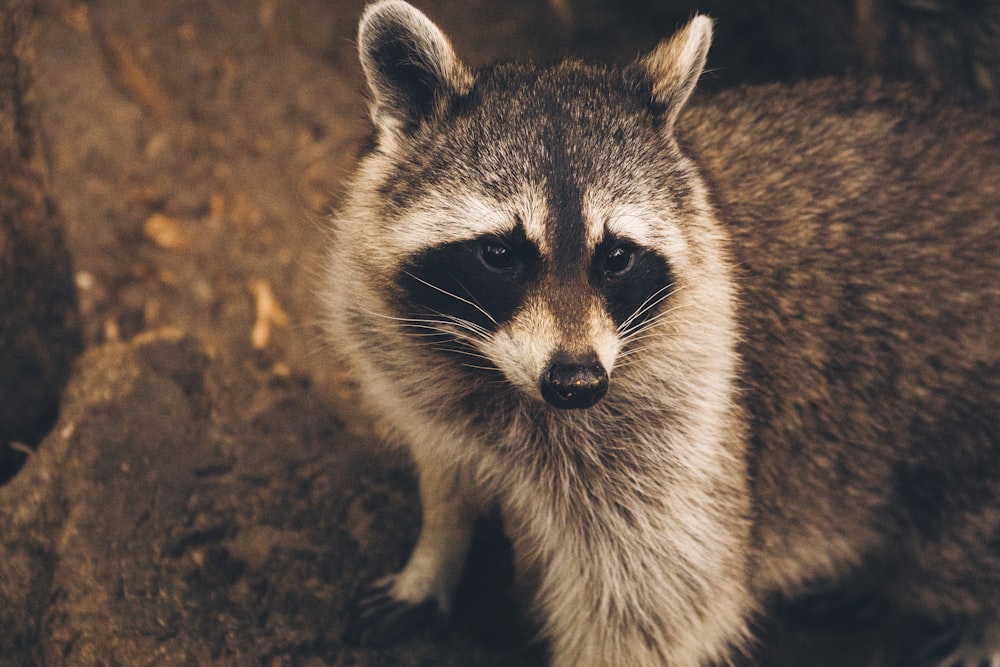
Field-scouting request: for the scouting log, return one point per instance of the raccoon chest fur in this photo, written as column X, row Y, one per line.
column 699, row 352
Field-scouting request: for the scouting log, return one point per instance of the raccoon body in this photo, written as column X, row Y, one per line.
column 695, row 354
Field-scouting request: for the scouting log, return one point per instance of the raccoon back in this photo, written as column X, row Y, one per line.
column 866, row 226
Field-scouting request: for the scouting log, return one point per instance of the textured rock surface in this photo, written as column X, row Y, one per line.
column 172, row 518
column 39, row 324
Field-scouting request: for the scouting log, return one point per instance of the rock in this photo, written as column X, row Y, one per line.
column 184, row 511
column 39, row 323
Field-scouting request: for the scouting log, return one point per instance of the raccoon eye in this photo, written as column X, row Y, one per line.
column 497, row 256
column 618, row 260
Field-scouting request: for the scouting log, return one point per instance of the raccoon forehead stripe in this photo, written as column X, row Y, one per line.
column 534, row 211
column 638, row 223
column 605, row 213
column 595, row 211
column 443, row 217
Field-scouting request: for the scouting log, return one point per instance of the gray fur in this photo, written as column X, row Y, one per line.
column 815, row 396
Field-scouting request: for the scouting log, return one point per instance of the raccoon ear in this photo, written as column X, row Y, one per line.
column 675, row 65
column 409, row 64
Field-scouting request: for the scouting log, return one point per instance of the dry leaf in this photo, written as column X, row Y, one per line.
column 166, row 232
column 268, row 313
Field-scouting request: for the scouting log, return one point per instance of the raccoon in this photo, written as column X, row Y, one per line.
column 697, row 352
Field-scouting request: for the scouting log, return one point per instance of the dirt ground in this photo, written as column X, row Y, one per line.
column 195, row 150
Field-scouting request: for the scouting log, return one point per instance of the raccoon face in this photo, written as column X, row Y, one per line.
column 554, row 326
column 523, row 195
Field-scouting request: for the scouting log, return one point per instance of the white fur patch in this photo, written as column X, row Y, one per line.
column 445, row 216
column 523, row 349
column 646, row 223
column 532, row 207
column 604, row 337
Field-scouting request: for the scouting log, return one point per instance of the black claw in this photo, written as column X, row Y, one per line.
column 374, row 603
column 378, row 619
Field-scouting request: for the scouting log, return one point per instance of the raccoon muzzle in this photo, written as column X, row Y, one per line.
column 570, row 382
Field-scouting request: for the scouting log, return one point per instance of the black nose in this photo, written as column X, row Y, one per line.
column 574, row 383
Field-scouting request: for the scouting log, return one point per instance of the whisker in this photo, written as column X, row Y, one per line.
column 648, row 304
column 468, row 302
column 651, row 322
column 482, row 368
column 455, row 340
column 631, row 353
column 650, row 329
column 471, row 353
column 625, row 363
column 481, row 331
column 477, row 304
column 446, row 325
column 646, row 330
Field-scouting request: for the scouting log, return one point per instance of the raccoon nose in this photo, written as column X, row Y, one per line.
column 574, row 383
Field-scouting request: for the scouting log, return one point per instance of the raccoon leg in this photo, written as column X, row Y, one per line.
column 977, row 647
column 960, row 645
column 421, row 592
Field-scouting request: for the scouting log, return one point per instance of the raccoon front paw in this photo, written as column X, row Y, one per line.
column 378, row 617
